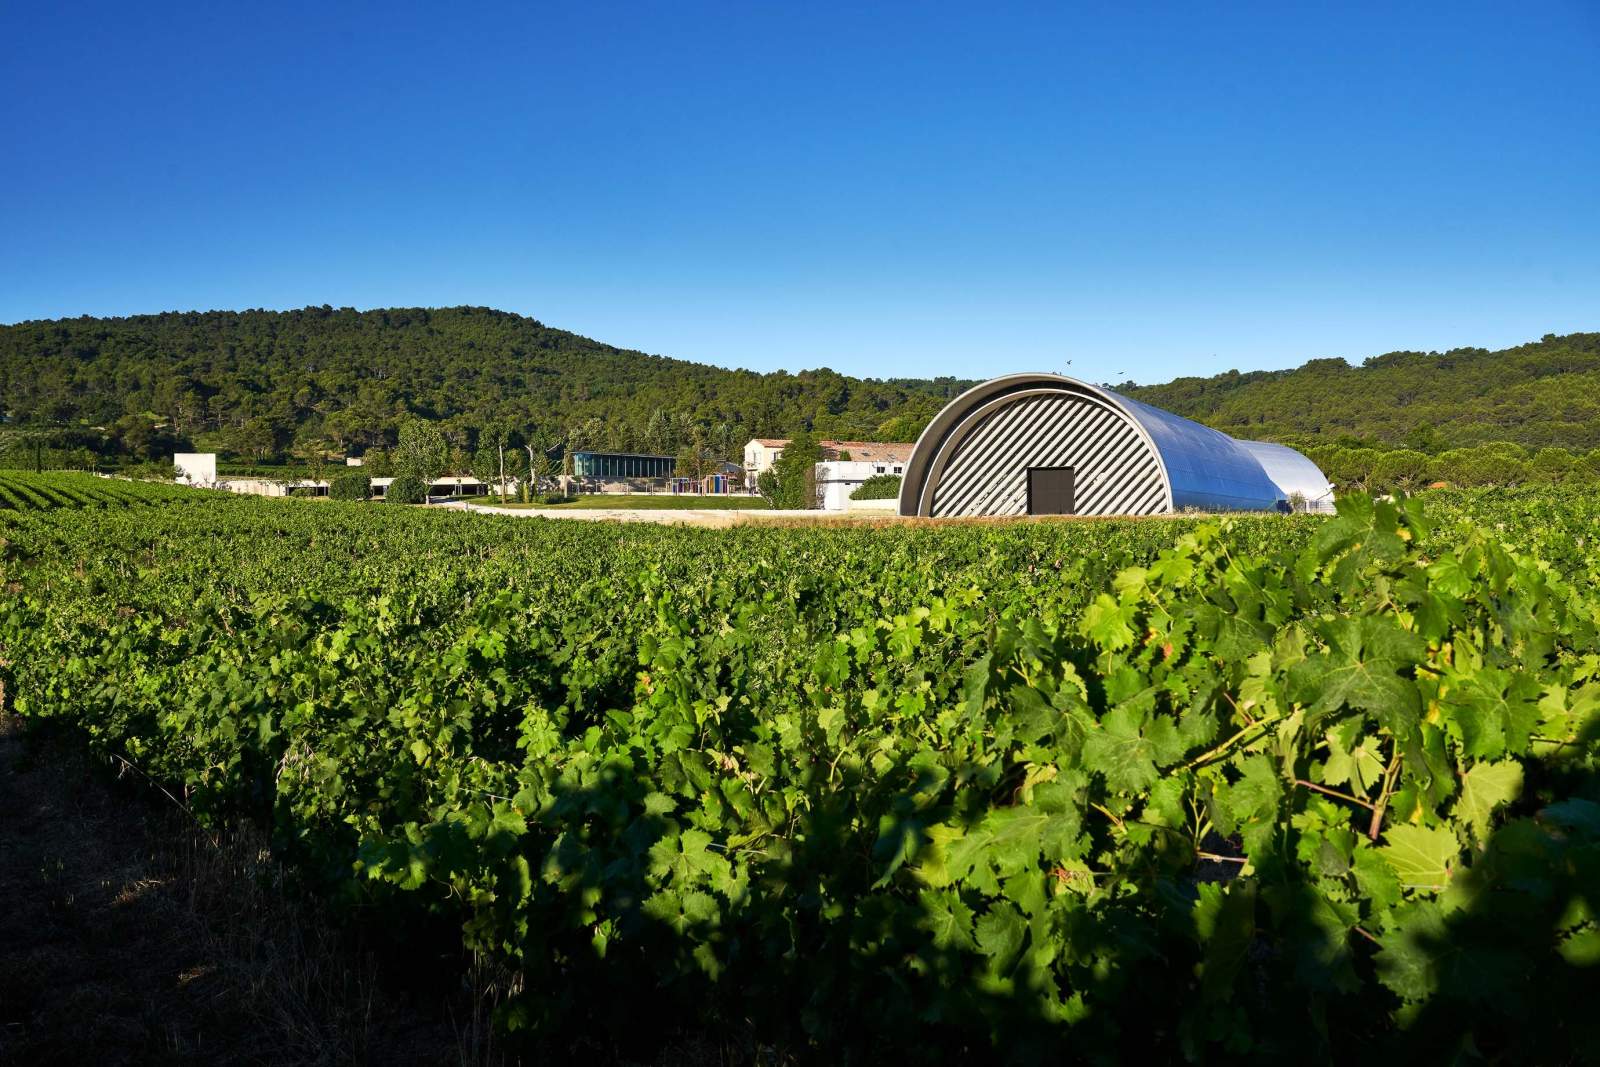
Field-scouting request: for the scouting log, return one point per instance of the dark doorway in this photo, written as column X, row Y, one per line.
column 1050, row 490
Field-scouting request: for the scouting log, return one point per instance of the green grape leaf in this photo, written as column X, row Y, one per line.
column 1249, row 806
column 946, row 916
column 1484, row 787
column 1000, row 931
column 1407, row 959
column 1361, row 670
column 1374, row 877
column 1106, row 623
column 1225, row 921
column 1120, row 752
column 1422, row 857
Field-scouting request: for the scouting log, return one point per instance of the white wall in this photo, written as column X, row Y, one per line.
column 837, row 479
column 196, row 468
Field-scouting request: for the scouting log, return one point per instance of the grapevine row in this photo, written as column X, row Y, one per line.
column 1187, row 787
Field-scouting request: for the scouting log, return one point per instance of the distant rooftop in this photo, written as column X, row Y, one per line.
column 868, row 451
column 622, row 455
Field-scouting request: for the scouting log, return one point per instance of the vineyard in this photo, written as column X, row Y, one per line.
column 21, row 491
column 1187, row 788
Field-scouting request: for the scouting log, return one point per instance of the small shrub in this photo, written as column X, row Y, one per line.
column 878, row 487
column 406, row 489
column 351, row 485
column 303, row 491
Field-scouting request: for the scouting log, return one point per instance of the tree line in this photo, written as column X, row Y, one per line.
column 1542, row 394
column 266, row 386
column 505, row 392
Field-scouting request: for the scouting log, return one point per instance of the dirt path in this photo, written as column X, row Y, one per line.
column 714, row 518
column 126, row 937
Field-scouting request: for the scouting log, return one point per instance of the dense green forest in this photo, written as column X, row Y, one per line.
column 271, row 386
column 260, row 384
column 1469, row 416
column 1544, row 393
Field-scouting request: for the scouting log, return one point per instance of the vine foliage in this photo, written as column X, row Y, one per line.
column 1206, row 788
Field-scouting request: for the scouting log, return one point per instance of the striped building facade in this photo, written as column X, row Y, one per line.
column 1047, row 444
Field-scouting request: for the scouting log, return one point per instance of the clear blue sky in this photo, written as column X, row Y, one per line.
column 884, row 189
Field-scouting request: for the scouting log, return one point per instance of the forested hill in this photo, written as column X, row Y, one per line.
column 1545, row 393
column 255, row 382
column 262, row 383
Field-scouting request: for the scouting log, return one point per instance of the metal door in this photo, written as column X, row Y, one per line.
column 1050, row 490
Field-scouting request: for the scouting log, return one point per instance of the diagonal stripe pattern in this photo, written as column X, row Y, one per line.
column 987, row 473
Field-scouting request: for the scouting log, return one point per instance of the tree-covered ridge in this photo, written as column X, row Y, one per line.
column 1544, row 393
column 263, row 386
column 258, row 382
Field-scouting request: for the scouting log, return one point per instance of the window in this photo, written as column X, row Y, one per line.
column 899, row 469
column 879, row 469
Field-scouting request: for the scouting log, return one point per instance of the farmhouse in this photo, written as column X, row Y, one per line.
column 1046, row 444
column 760, row 453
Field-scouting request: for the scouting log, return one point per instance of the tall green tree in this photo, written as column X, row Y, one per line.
column 795, row 471
column 422, row 452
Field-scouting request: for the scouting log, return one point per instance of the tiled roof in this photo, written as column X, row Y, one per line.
column 871, row 451
column 866, row 451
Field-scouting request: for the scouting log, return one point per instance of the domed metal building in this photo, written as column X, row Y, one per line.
column 1046, row 444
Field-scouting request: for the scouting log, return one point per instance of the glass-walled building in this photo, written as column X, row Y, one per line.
column 621, row 465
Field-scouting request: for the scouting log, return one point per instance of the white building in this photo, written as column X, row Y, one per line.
column 759, row 455
column 886, row 457
column 837, row 479
column 1046, row 444
column 195, row 468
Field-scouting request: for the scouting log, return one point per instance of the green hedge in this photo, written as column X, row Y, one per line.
column 406, row 489
column 878, row 487
column 351, row 485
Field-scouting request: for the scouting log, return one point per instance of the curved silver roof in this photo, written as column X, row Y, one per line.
column 979, row 445
column 1207, row 468
column 1293, row 473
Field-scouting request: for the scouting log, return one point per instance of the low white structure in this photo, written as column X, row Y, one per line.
column 195, row 468
column 450, row 486
column 268, row 487
column 837, row 479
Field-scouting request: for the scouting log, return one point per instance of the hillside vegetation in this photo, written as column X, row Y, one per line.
column 254, row 383
column 1545, row 393
column 268, row 386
